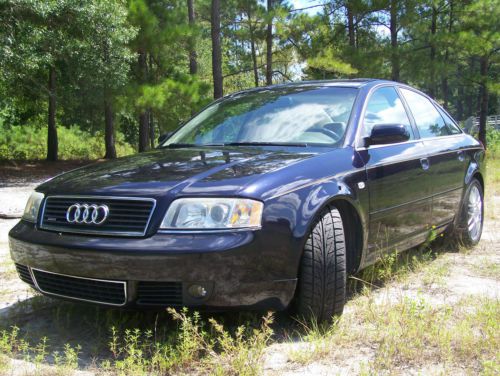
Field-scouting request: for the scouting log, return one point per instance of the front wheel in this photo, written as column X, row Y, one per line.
column 321, row 286
column 470, row 226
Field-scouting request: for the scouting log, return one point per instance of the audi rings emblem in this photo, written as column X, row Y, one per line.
column 89, row 214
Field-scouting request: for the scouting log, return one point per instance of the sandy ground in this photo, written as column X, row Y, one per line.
column 466, row 278
column 475, row 272
column 64, row 322
column 18, row 180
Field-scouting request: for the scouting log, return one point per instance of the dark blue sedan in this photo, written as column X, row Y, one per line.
column 268, row 198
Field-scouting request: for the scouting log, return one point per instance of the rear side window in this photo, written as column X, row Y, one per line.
column 385, row 107
column 452, row 126
column 427, row 118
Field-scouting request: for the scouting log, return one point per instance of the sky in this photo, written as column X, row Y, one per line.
column 307, row 3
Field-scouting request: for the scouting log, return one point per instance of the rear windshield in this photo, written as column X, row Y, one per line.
column 291, row 115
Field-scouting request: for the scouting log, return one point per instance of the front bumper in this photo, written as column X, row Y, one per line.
column 236, row 269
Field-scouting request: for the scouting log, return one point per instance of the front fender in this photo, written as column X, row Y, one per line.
column 320, row 196
column 297, row 210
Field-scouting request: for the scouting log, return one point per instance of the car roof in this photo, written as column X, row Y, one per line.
column 353, row 83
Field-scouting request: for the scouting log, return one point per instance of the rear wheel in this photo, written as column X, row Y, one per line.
column 470, row 226
column 322, row 276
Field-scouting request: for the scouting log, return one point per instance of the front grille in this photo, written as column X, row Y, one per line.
column 24, row 274
column 127, row 216
column 90, row 290
column 159, row 293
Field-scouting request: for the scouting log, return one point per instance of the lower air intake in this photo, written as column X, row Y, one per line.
column 24, row 274
column 159, row 293
column 85, row 289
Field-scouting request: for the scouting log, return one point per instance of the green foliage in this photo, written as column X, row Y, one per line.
column 493, row 140
column 411, row 333
column 191, row 344
column 133, row 55
column 329, row 62
column 12, row 345
column 30, row 142
column 196, row 344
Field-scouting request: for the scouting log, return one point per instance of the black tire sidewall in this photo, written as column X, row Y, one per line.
column 306, row 303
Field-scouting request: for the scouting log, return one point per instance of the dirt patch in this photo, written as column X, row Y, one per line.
column 18, row 179
column 22, row 173
column 451, row 279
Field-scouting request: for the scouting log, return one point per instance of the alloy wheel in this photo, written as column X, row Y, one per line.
column 474, row 213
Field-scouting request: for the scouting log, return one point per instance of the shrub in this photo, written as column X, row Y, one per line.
column 29, row 142
column 493, row 142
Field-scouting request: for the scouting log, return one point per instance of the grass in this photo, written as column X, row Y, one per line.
column 7, row 269
column 486, row 266
column 11, row 345
column 411, row 333
column 183, row 342
column 492, row 206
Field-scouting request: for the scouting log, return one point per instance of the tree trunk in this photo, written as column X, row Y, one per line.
column 470, row 104
column 470, row 94
column 444, row 89
column 109, row 130
column 143, row 131
column 254, row 61
column 216, row 50
column 52, row 142
column 350, row 25
column 269, row 44
column 394, row 40
column 193, row 63
column 432, row 67
column 252, row 47
column 483, row 111
column 151, row 130
column 444, row 80
column 143, row 116
column 460, row 103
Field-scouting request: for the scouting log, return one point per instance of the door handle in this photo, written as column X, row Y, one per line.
column 424, row 162
column 461, row 156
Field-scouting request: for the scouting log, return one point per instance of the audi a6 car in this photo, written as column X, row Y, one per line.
column 267, row 198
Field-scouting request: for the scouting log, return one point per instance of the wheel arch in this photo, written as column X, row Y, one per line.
column 473, row 172
column 354, row 229
column 477, row 175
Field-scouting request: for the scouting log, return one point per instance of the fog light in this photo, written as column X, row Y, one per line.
column 197, row 291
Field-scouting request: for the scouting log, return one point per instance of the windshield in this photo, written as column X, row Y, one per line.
column 281, row 116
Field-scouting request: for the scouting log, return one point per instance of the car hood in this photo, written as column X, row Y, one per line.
column 152, row 174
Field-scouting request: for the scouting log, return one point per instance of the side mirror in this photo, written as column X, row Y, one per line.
column 164, row 137
column 387, row 134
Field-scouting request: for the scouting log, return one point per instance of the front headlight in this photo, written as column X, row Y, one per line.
column 213, row 213
column 32, row 207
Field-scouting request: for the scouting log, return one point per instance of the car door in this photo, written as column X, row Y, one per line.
column 398, row 183
column 442, row 140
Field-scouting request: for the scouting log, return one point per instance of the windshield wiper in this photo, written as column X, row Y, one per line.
column 180, row 145
column 249, row 143
column 299, row 144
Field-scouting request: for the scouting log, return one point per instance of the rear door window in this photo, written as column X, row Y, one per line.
column 452, row 126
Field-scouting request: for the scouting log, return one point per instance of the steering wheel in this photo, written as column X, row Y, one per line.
column 327, row 132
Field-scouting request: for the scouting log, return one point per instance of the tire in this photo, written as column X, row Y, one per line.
column 471, row 216
column 321, row 288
